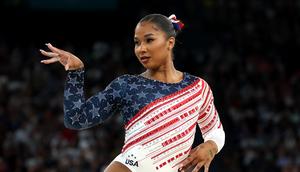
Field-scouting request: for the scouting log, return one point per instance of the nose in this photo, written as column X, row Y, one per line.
column 142, row 48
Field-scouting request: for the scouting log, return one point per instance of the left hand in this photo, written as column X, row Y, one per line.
column 67, row 59
column 200, row 156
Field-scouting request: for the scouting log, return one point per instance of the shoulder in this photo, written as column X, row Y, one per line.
column 198, row 79
column 125, row 79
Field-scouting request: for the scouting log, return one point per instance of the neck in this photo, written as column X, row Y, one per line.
column 166, row 74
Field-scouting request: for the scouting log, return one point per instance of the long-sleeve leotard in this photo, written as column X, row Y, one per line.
column 159, row 117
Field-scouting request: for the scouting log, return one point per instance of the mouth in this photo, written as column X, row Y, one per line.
column 144, row 59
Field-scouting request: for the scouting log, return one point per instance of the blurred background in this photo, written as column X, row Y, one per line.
column 246, row 50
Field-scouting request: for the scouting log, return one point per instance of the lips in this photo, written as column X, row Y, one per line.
column 144, row 59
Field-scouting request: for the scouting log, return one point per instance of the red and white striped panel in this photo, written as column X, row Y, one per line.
column 166, row 127
column 208, row 117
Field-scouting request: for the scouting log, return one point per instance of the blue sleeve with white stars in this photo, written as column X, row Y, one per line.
column 80, row 113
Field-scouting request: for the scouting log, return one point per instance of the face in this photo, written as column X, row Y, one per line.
column 152, row 48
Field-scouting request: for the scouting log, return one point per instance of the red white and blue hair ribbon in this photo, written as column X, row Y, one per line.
column 178, row 25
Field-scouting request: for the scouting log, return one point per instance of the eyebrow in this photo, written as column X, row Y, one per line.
column 147, row 35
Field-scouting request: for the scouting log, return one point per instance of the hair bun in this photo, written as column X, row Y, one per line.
column 177, row 24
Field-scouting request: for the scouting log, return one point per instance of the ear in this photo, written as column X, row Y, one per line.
column 171, row 43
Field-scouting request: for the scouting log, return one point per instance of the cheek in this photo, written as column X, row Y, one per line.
column 135, row 51
column 160, row 48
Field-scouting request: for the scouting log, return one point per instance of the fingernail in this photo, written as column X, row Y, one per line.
column 42, row 61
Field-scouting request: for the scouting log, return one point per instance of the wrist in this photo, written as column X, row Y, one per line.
column 212, row 146
column 81, row 67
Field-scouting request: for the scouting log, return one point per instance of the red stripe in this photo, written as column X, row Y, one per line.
column 210, row 123
column 156, row 130
column 210, row 129
column 201, row 116
column 208, row 95
column 185, row 152
column 178, row 136
column 206, row 117
column 204, row 114
column 167, row 132
column 150, row 105
column 206, row 127
column 171, row 100
column 220, row 124
column 173, row 108
column 175, row 145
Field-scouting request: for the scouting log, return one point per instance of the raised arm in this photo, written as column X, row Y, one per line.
column 80, row 113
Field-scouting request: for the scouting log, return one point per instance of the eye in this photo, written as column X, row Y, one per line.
column 136, row 42
column 149, row 40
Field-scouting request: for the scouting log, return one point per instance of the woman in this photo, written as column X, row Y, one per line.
column 160, row 107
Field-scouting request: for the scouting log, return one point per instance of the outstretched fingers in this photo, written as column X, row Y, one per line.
column 54, row 57
column 54, row 49
column 49, row 54
column 67, row 59
column 49, row 61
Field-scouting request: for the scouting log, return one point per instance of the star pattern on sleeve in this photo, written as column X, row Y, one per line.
column 122, row 81
column 92, row 111
column 73, row 81
column 117, row 93
column 75, row 118
column 158, row 95
column 107, row 108
column 77, row 104
column 135, row 106
column 165, row 87
column 127, row 94
column 134, row 86
column 148, row 86
column 95, row 112
column 85, row 124
column 142, row 95
column 67, row 93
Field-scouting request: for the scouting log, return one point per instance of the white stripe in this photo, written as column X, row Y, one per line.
column 135, row 134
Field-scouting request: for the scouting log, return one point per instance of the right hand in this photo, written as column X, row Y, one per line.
column 67, row 59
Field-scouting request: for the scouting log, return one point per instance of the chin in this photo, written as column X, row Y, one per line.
column 151, row 67
column 146, row 66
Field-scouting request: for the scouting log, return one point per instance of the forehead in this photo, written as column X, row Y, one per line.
column 144, row 28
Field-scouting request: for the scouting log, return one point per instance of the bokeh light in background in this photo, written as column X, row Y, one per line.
column 247, row 51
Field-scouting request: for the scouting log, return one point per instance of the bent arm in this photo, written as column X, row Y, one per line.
column 80, row 113
column 209, row 121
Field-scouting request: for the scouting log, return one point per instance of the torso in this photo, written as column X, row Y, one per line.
column 160, row 120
